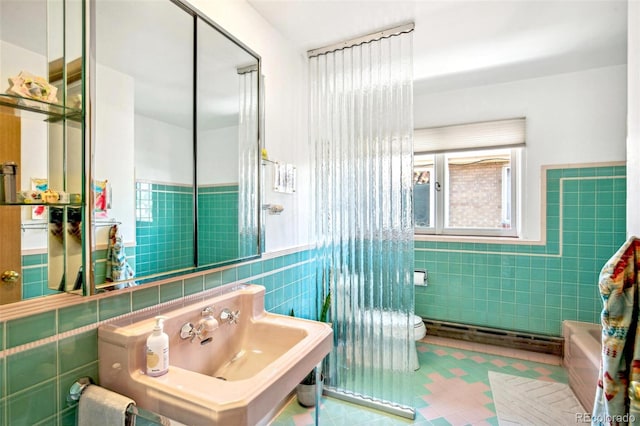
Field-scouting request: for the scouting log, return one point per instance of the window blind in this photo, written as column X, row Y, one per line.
column 463, row 137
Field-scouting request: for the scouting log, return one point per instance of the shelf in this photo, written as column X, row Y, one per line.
column 51, row 112
column 42, row 204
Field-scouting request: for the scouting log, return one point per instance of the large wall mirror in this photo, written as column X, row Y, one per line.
column 42, row 244
column 175, row 150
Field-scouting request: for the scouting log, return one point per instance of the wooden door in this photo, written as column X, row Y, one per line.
column 10, row 234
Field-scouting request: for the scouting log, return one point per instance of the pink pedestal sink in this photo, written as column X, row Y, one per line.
column 238, row 374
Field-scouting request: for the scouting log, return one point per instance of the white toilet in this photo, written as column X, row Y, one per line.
column 419, row 331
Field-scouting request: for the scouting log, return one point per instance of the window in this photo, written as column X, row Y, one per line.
column 470, row 190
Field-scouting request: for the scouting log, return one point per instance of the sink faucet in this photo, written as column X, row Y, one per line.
column 206, row 324
column 229, row 316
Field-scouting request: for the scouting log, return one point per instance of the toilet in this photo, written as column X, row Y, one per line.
column 419, row 331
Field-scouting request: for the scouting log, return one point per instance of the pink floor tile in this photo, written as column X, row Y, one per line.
column 303, row 419
column 498, row 363
column 458, row 372
column 458, row 355
column 456, row 419
column 477, row 415
column 542, row 370
column 454, row 395
column 429, row 413
column 435, row 377
column 478, row 359
column 422, row 348
column 519, row 366
column 440, row 352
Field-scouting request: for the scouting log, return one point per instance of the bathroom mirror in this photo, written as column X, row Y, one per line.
column 227, row 155
column 175, row 152
column 42, row 244
column 143, row 169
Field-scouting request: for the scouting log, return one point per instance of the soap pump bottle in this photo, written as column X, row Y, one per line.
column 158, row 350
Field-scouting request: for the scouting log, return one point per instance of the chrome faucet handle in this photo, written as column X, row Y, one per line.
column 229, row 316
column 188, row 331
column 207, row 312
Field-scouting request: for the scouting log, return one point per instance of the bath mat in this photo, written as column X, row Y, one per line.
column 523, row 401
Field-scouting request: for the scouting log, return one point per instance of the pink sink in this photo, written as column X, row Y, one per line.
column 239, row 374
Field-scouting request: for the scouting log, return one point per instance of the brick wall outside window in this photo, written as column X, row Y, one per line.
column 475, row 195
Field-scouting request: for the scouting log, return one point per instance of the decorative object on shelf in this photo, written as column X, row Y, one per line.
column 63, row 197
column 8, row 175
column 75, row 101
column 50, row 196
column 30, row 86
column 38, row 186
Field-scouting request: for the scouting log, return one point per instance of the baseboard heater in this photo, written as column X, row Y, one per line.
column 495, row 336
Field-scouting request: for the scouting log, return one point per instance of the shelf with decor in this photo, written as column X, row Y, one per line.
column 50, row 112
column 39, row 203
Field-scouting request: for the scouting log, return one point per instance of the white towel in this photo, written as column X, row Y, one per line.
column 101, row 407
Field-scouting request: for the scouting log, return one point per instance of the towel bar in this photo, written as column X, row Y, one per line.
column 133, row 411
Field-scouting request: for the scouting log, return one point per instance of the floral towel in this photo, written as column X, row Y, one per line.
column 118, row 268
column 618, row 394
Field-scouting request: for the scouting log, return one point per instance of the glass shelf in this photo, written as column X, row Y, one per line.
column 52, row 112
column 42, row 204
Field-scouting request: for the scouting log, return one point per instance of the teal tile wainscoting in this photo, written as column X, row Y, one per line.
column 35, row 276
column 217, row 224
column 42, row 355
column 533, row 288
column 164, row 228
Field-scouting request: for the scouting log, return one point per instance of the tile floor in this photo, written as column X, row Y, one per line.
column 452, row 382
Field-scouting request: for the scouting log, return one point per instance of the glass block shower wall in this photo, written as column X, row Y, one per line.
column 361, row 125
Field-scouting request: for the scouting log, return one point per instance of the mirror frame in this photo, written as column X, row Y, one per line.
column 89, row 98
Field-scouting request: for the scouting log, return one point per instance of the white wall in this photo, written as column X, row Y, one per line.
column 164, row 152
column 571, row 118
column 285, row 74
column 633, row 121
column 113, row 150
column 218, row 156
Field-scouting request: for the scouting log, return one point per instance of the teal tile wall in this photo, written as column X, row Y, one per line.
column 35, row 281
column 36, row 375
column 164, row 228
column 218, row 221
column 533, row 288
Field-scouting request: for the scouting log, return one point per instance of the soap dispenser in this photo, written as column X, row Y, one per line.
column 158, row 350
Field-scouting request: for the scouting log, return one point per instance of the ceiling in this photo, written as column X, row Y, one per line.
column 461, row 43
column 456, row 43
